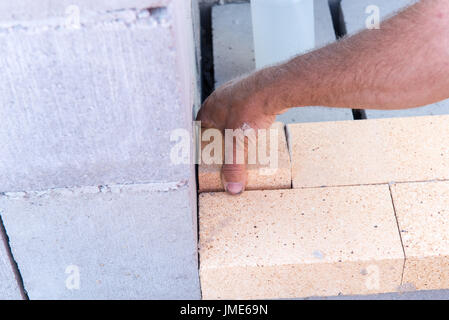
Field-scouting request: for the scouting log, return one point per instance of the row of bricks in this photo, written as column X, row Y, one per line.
column 336, row 231
column 349, row 153
column 324, row 241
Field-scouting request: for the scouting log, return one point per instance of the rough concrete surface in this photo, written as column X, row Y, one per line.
column 30, row 10
column 95, row 104
column 234, row 53
column 128, row 242
column 355, row 17
column 91, row 106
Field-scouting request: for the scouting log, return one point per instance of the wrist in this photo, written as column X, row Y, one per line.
column 282, row 87
column 269, row 91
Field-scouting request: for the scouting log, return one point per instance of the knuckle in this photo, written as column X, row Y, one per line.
column 233, row 168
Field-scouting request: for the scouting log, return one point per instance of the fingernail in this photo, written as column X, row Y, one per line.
column 234, row 188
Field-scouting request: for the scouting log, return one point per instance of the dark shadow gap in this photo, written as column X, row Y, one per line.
column 337, row 18
column 207, row 53
column 359, row 114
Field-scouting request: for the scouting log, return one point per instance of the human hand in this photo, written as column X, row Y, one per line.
column 238, row 104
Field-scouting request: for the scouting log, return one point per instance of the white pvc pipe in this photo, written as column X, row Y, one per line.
column 282, row 29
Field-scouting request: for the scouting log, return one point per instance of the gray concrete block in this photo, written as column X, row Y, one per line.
column 355, row 20
column 124, row 242
column 232, row 42
column 30, row 10
column 9, row 289
column 94, row 105
column 234, row 53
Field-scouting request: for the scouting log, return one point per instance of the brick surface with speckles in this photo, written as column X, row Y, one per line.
column 209, row 176
column 298, row 243
column 423, row 216
column 369, row 151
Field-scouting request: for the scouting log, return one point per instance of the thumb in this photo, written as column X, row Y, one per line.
column 234, row 178
column 233, row 172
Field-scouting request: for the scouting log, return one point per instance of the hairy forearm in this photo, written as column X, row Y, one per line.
column 402, row 65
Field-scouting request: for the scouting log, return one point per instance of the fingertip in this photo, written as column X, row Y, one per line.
column 234, row 188
column 234, row 178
